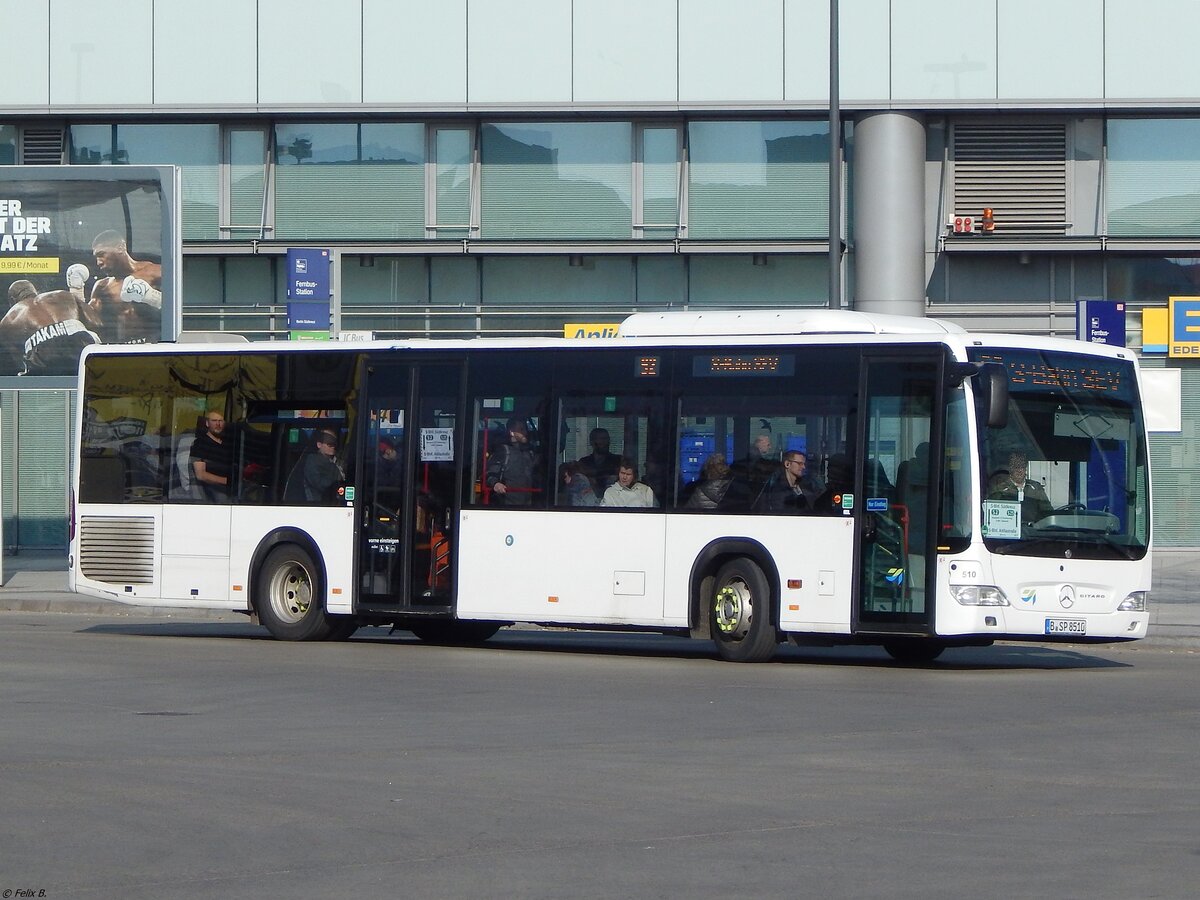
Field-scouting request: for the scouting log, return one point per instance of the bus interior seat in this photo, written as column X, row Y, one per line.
column 183, row 482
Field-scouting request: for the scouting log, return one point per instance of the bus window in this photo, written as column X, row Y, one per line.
column 595, row 434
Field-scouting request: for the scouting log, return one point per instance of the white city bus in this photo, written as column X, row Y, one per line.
column 913, row 528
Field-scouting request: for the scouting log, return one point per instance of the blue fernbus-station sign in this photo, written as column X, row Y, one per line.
column 308, row 274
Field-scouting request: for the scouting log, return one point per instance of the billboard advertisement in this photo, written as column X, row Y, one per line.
column 88, row 255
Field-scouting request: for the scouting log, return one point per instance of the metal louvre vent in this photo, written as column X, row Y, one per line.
column 1017, row 170
column 42, row 146
column 117, row 549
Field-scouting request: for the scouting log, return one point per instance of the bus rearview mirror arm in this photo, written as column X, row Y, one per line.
column 991, row 389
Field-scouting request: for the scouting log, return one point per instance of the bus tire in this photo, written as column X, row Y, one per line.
column 288, row 596
column 914, row 651
column 453, row 634
column 740, row 613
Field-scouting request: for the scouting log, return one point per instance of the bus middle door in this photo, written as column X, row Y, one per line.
column 408, row 487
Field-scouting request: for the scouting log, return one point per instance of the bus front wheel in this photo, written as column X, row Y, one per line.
column 740, row 613
column 289, row 596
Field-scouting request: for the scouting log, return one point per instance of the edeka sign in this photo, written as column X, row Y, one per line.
column 1184, row 332
column 590, row 329
column 1100, row 322
column 308, row 274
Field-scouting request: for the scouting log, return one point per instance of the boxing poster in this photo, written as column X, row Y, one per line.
column 88, row 255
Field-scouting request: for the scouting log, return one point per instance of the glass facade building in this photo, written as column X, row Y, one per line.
column 493, row 167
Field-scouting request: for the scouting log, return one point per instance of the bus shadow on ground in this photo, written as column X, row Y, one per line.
column 1010, row 656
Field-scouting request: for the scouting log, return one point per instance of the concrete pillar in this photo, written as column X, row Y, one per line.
column 889, row 213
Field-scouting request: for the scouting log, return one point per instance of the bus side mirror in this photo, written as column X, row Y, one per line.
column 992, row 388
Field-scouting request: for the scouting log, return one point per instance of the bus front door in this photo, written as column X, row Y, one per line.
column 408, row 497
column 895, row 480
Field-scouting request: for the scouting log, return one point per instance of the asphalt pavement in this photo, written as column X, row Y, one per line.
column 37, row 582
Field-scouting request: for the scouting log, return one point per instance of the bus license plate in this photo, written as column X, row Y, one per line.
column 1066, row 626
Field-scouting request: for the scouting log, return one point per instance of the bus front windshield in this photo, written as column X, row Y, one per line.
column 1067, row 475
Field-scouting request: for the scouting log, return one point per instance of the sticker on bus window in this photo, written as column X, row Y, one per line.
column 437, row 445
column 1001, row 519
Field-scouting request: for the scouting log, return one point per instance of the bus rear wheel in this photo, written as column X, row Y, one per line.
column 289, row 597
column 740, row 613
column 914, row 651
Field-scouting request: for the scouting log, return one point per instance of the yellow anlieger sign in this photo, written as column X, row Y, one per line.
column 29, row 265
column 590, row 329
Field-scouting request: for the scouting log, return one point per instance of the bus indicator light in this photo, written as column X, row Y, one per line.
column 794, row 584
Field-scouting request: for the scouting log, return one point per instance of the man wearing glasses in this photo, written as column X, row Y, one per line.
column 790, row 489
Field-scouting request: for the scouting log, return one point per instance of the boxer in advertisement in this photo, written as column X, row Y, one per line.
column 43, row 334
column 127, row 297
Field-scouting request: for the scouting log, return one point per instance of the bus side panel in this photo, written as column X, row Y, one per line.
column 332, row 530
column 816, row 551
column 560, row 566
column 195, row 553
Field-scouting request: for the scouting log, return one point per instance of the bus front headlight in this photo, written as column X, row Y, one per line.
column 1135, row 602
column 980, row 595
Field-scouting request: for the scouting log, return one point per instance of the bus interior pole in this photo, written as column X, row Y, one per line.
column 835, row 165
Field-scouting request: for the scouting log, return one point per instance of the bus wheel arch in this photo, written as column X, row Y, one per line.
column 735, row 599
column 288, row 589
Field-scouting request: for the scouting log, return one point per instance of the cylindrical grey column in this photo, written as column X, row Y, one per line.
column 889, row 213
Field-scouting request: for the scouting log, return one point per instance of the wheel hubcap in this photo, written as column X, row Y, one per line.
column 291, row 593
column 732, row 609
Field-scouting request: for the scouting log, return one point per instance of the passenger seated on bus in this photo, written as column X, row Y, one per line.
column 317, row 473
column 628, row 492
column 716, row 478
column 511, row 468
column 759, row 465
column 599, row 466
column 211, row 458
column 1014, row 485
column 575, row 488
column 791, row 488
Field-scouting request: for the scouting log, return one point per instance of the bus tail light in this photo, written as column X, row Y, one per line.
column 1135, row 602
column 980, row 595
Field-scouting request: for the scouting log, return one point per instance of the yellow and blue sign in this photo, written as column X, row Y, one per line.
column 1156, row 329
column 1184, row 327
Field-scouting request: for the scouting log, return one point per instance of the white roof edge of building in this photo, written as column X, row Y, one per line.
column 779, row 322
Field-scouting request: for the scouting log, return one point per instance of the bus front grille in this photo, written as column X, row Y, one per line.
column 117, row 549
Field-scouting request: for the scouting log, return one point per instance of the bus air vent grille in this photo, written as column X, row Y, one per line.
column 117, row 549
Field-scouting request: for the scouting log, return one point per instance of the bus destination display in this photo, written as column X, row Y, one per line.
column 743, row 365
